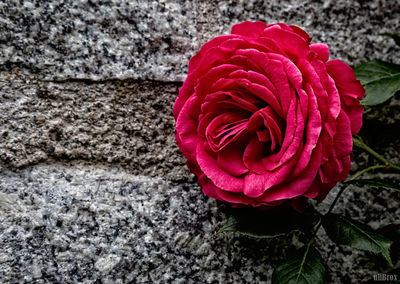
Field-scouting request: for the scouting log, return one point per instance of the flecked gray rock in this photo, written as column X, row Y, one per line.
column 128, row 123
column 86, row 224
column 155, row 39
column 91, row 223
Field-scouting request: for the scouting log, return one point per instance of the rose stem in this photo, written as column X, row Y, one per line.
column 359, row 143
column 356, row 175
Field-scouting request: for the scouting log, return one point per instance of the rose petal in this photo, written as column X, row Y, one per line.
column 322, row 50
column 355, row 114
column 224, row 129
column 278, row 76
column 343, row 139
column 208, row 187
column 299, row 185
column 313, row 131
column 185, row 92
column 186, row 128
column 345, row 78
column 231, row 161
column 255, row 89
column 293, row 139
column 300, row 32
column 350, row 90
column 293, row 44
column 220, row 178
column 292, row 72
column 196, row 60
column 249, row 29
column 252, row 155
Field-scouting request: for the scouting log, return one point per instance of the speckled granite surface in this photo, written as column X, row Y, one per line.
column 128, row 123
column 90, row 223
column 85, row 224
column 154, row 39
column 92, row 185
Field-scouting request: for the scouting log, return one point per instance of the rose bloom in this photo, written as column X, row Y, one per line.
column 265, row 118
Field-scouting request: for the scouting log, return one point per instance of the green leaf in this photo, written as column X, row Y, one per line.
column 307, row 267
column 356, row 235
column 395, row 36
column 375, row 183
column 381, row 81
column 266, row 224
column 374, row 70
column 392, row 232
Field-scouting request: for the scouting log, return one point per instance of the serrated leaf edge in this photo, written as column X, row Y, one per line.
column 385, row 252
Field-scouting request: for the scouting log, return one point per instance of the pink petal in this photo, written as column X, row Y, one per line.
column 256, row 185
column 350, row 90
column 274, row 124
column 232, row 197
column 313, row 86
column 249, row 29
column 209, row 188
column 322, row 50
column 344, row 77
column 205, row 83
column 326, row 187
column 245, row 62
column 279, row 78
column 220, row 178
column 185, row 92
column 297, row 186
column 315, row 188
column 224, row 129
column 343, row 140
column 252, row 155
column 264, row 135
column 186, row 125
column 255, row 89
column 195, row 61
column 313, row 131
column 355, row 114
column 231, row 161
column 293, row 139
column 292, row 72
column 300, row 32
column 293, row 44
column 330, row 87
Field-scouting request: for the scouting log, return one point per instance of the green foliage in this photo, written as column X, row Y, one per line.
column 306, row 267
column 381, row 81
column 356, row 235
column 268, row 223
column 392, row 232
column 394, row 36
column 375, row 183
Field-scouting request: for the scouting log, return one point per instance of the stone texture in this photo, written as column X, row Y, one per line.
column 128, row 123
column 88, row 224
column 155, row 39
column 91, row 223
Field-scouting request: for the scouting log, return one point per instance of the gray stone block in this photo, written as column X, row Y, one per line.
column 91, row 223
column 155, row 39
column 128, row 123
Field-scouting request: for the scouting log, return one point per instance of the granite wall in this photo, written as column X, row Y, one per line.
column 92, row 185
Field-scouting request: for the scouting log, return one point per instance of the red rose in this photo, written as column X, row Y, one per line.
column 263, row 117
